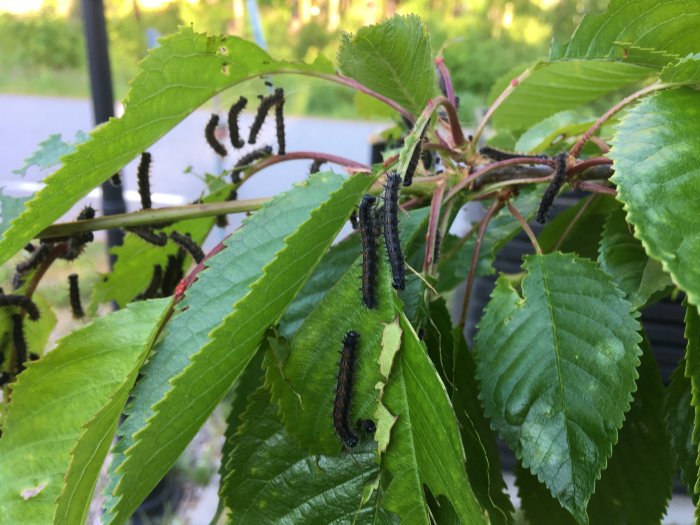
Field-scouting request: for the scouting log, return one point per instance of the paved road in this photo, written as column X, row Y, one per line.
column 26, row 121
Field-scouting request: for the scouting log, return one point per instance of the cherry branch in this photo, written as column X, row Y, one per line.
column 525, row 226
column 447, row 80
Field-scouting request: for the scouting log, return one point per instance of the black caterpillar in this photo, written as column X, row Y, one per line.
column 186, row 242
column 391, row 230
column 279, row 122
column 210, row 135
column 316, row 166
column 247, row 159
column 20, row 301
column 413, row 163
column 153, row 286
column 369, row 251
column 19, row 341
column 233, row 129
column 74, row 294
column 343, row 392
column 498, row 155
column 173, row 272
column 266, row 104
column 148, row 235
column 551, row 192
column 142, row 174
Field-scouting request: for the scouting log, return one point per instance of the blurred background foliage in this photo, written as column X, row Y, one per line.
column 43, row 46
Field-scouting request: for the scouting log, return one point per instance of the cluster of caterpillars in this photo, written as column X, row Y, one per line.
column 560, row 172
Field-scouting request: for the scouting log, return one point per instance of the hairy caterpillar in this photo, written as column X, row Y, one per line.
column 233, row 129
column 153, row 286
column 343, row 392
column 247, row 159
column 366, row 426
column 222, row 220
column 186, row 242
column 25, row 303
column 263, row 109
column 498, row 155
column 316, row 166
column 210, row 135
column 353, row 220
column 551, row 192
column 369, row 251
column 148, row 235
column 19, row 341
column 391, row 230
column 279, row 122
column 173, row 272
column 142, row 173
column 74, row 294
column 116, row 180
column 413, row 162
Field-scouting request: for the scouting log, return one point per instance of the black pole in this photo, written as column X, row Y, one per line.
column 102, row 100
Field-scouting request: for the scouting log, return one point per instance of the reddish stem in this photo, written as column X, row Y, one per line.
column 497, row 205
column 588, row 163
column 447, row 80
column 306, row 155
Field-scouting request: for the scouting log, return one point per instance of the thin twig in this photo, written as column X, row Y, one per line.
column 572, row 223
column 496, row 103
column 525, row 226
column 575, row 150
column 497, row 205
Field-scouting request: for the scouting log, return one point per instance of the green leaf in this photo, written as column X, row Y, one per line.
column 558, row 86
column 657, row 176
column 219, row 324
column 306, row 388
column 393, row 58
column 630, row 491
column 332, row 267
column 623, row 257
column 10, row 207
column 50, row 152
column 457, row 255
column 479, row 441
column 554, row 129
column 177, row 77
column 692, row 372
column 647, row 24
column 63, row 414
column 272, row 480
column 686, row 70
column 679, row 425
column 556, row 368
column 425, row 446
column 583, row 237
